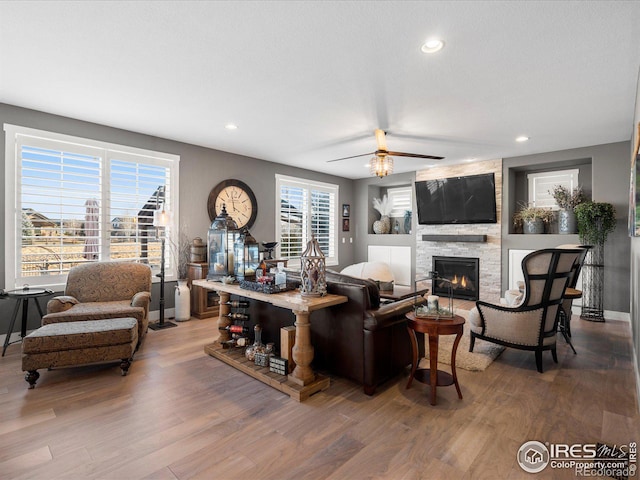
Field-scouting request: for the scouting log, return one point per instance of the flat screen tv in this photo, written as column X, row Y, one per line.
column 469, row 199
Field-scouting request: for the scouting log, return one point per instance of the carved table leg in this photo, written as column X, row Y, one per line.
column 433, row 364
column 453, row 362
column 124, row 366
column 302, row 351
column 414, row 353
column 223, row 320
column 32, row 376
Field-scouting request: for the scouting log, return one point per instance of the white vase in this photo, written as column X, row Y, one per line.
column 183, row 301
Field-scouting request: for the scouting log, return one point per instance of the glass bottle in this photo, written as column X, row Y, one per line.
column 258, row 346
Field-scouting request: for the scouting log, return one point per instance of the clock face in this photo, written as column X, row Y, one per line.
column 239, row 200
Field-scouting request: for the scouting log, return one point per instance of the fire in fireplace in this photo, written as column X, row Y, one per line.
column 462, row 272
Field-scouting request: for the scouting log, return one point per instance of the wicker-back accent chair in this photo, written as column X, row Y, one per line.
column 532, row 324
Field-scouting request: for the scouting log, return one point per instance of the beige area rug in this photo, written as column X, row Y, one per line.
column 483, row 352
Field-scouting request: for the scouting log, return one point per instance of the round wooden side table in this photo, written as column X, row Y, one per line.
column 434, row 328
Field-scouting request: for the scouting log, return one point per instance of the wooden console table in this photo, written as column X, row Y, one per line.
column 302, row 382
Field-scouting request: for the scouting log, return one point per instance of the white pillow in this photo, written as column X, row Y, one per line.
column 375, row 270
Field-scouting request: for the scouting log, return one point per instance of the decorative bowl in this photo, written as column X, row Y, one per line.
column 228, row 280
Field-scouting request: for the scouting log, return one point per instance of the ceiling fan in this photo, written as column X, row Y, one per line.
column 382, row 163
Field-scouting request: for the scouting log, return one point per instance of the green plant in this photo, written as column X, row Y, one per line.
column 528, row 213
column 595, row 222
column 567, row 200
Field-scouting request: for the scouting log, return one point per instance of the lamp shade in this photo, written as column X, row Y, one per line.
column 161, row 218
column 381, row 165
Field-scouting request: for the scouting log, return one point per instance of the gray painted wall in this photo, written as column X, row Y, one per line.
column 200, row 170
column 610, row 183
column 635, row 257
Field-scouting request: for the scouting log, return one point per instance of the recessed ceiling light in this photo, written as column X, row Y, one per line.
column 432, row 46
column 471, row 159
column 522, row 138
column 231, row 126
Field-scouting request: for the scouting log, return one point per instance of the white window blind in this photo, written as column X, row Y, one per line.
column 540, row 184
column 305, row 208
column 75, row 200
column 400, row 199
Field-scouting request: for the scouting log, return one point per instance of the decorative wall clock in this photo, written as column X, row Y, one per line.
column 239, row 199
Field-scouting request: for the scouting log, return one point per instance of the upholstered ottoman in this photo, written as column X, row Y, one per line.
column 76, row 343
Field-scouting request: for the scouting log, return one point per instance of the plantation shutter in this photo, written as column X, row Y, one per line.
column 306, row 208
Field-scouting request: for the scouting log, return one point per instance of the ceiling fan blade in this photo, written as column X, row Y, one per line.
column 380, row 138
column 352, row 156
column 414, row 155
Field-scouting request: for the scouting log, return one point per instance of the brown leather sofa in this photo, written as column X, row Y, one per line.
column 361, row 340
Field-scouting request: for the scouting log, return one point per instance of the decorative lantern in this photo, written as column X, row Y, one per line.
column 247, row 256
column 312, row 270
column 221, row 240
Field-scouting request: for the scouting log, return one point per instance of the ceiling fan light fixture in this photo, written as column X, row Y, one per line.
column 381, row 165
column 432, row 46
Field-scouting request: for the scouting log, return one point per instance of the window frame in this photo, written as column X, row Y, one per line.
column 310, row 185
column 16, row 136
column 393, row 193
column 567, row 177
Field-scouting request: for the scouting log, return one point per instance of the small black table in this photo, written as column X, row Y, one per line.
column 22, row 296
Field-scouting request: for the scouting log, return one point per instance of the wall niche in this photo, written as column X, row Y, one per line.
column 400, row 199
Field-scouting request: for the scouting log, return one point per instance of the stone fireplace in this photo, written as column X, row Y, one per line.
column 462, row 272
column 482, row 240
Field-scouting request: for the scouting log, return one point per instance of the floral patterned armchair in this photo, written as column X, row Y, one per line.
column 102, row 290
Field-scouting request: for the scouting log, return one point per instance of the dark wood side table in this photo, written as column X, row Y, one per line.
column 434, row 328
column 22, row 296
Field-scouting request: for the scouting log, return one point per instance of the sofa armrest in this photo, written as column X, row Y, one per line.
column 61, row 303
column 390, row 313
column 142, row 299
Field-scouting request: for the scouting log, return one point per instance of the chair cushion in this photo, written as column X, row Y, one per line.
column 63, row 336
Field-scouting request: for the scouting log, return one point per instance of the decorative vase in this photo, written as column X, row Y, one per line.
column 407, row 222
column 567, row 222
column 183, row 301
column 533, row 226
column 383, row 225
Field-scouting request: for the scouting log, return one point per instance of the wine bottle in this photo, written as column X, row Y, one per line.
column 237, row 316
column 237, row 303
column 235, row 329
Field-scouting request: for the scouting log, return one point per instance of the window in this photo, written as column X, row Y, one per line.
column 306, row 208
column 540, row 184
column 400, row 199
column 73, row 200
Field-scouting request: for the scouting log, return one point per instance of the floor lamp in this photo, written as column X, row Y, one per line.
column 161, row 219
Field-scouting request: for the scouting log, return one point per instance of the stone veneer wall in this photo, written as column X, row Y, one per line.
column 489, row 253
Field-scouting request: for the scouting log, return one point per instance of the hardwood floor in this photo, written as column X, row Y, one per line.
column 181, row 414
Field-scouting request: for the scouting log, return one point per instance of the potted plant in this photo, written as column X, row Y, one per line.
column 567, row 201
column 595, row 222
column 532, row 219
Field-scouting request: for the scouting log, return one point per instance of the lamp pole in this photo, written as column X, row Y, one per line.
column 160, row 220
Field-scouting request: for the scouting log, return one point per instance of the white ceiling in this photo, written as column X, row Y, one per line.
column 309, row 81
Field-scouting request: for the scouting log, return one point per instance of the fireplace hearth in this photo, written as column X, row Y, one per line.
column 462, row 272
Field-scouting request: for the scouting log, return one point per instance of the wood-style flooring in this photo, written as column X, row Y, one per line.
column 181, row 414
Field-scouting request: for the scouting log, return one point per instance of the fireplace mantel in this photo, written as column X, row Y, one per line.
column 454, row 238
